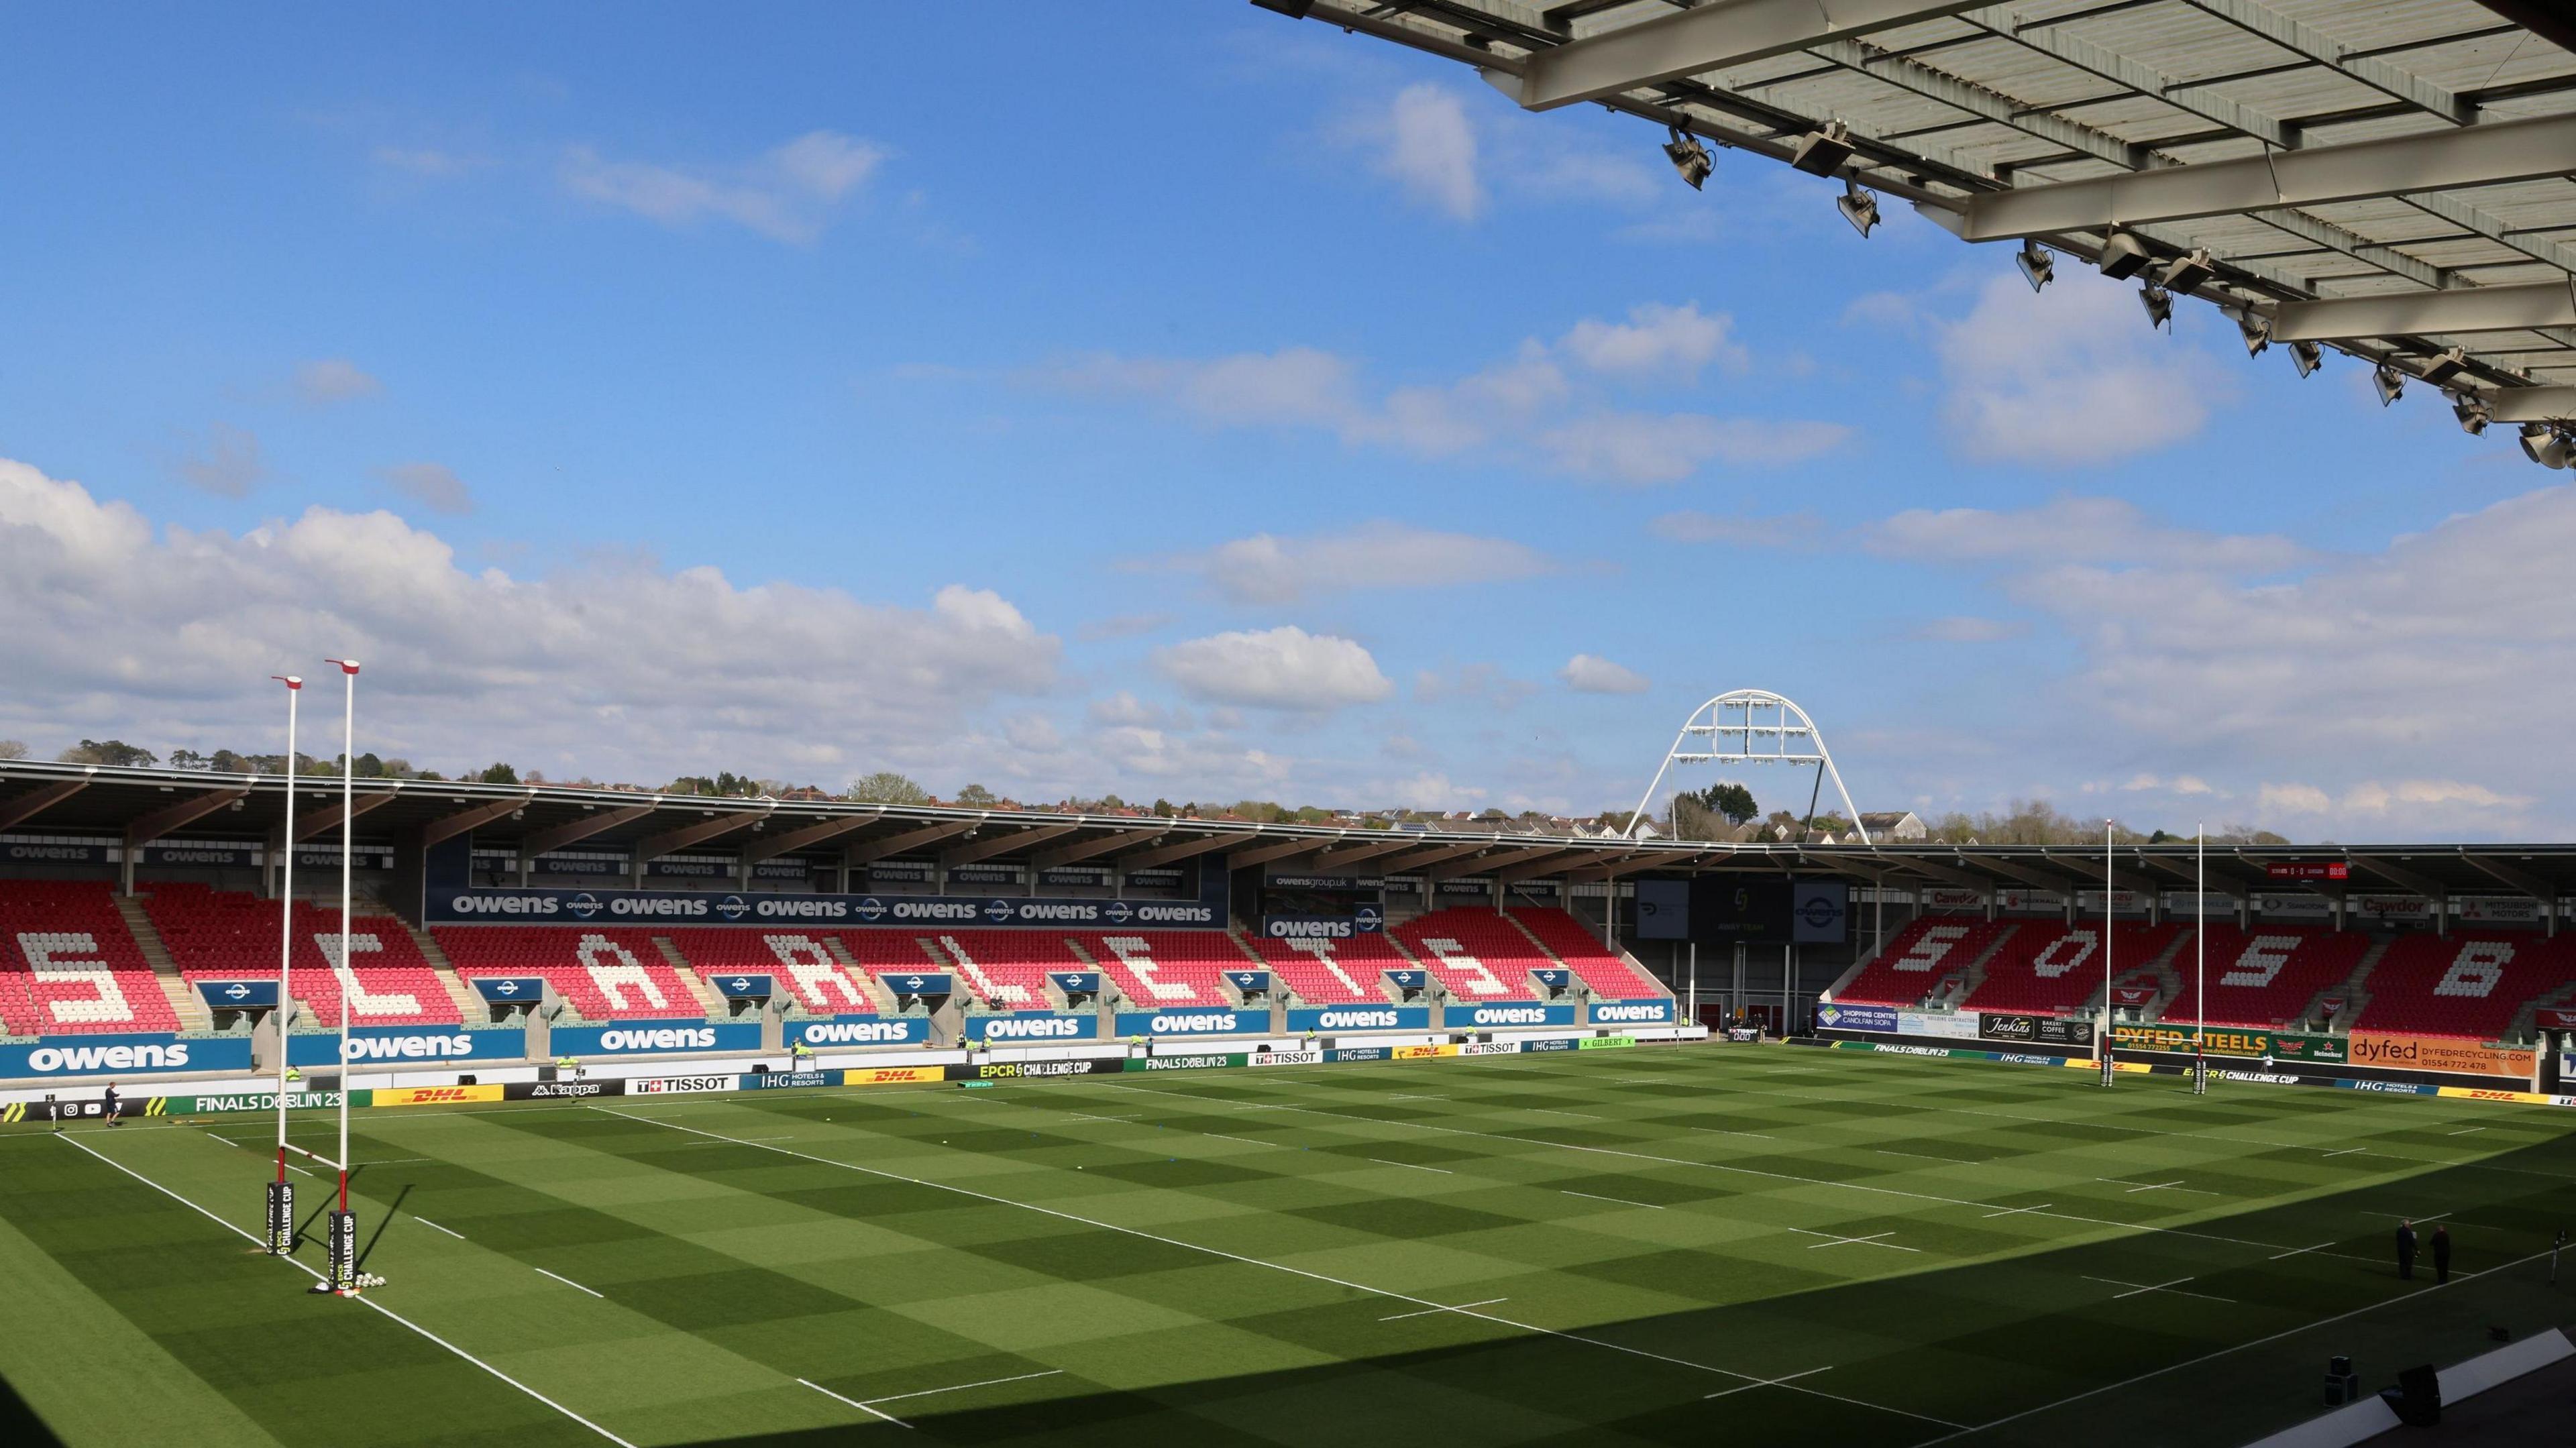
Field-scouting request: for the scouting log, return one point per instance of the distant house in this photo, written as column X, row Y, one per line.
column 1894, row 826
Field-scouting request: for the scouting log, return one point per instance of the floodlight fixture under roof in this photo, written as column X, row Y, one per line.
column 1689, row 157
column 1823, row 151
column 2307, row 357
column 2038, row 266
column 2446, row 366
column 2390, row 383
column 2186, row 274
column 2124, row 256
column 1858, row 207
column 2472, row 412
column 2158, row 302
column 2256, row 329
column 2548, row 445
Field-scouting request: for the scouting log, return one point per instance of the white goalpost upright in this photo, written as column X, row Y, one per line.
column 281, row 1193
column 2200, row 966
column 2109, row 919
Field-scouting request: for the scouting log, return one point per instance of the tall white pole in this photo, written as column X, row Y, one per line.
column 286, row 921
column 348, row 853
column 2109, row 919
column 2200, row 986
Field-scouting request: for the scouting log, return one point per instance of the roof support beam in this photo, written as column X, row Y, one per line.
column 2424, row 314
column 448, row 827
column 769, row 846
column 1264, row 854
column 572, row 831
column 2525, row 404
column 1085, row 849
column 2300, row 39
column 1541, row 862
column 968, row 854
column 1427, row 855
column 2424, row 885
column 654, row 847
column 1710, row 37
column 1341, row 855
column 2488, row 155
column 170, row 817
column 38, row 800
column 2523, row 880
column 868, row 851
column 1159, row 855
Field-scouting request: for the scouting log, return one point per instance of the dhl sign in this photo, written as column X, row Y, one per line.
column 893, row 1076
column 436, row 1095
column 1421, row 1053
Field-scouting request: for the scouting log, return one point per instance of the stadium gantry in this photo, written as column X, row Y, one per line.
column 2392, row 181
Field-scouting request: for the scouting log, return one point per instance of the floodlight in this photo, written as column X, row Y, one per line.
column 2256, row 329
column 2307, row 357
column 2390, row 382
column 1858, row 207
column 2186, row 274
column 2124, row 256
column 1822, row 152
column 2472, row 412
column 2158, row 302
column 2038, row 267
column 1688, row 156
column 2547, row 444
column 2446, row 366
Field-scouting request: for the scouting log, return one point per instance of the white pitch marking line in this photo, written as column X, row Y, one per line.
column 228, row 1141
column 1552, row 1111
column 2463, row 1131
column 2299, row 1251
column 1401, row 1096
column 2137, row 1287
column 2347, row 1151
column 1721, row 1131
column 1308, row 1273
column 368, row 1302
column 1622, row 1201
column 1869, row 1241
column 855, row 1403
column 961, row 1387
column 1767, row 1383
column 1461, row 1307
column 1920, row 1156
column 1078, row 1116
column 568, row 1282
column 1382, row 1161
column 2147, row 1187
column 2008, row 1211
column 433, row 1226
column 1221, row 1136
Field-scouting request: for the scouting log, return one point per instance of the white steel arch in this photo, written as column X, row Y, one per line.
column 1750, row 726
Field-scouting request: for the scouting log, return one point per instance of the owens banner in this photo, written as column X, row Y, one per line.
column 860, row 1031
column 125, row 1055
column 541, row 906
column 1016, row 1026
column 646, row 1038
column 1631, row 1013
column 1519, row 1013
column 2436, row 1053
column 1359, row 1018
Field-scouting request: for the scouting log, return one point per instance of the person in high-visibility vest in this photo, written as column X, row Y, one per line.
column 294, row 1075
column 569, row 1065
column 801, row 1054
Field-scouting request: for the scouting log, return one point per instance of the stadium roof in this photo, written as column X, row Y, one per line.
column 2388, row 177
column 139, row 806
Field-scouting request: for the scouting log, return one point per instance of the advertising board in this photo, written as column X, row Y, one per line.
column 1192, row 1021
column 133, row 1054
column 845, row 1031
column 1359, row 1018
column 2439, row 1053
column 647, row 1038
column 1835, row 1016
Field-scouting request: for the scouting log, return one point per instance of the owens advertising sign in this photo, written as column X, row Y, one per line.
column 707, row 907
column 122, row 1055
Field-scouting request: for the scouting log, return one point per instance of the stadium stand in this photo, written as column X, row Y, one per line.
column 1926, row 952
column 608, row 974
column 1566, row 938
column 1158, row 968
column 1005, row 969
column 2463, row 985
column 1475, row 952
column 68, row 964
column 1332, row 972
column 2049, row 968
column 229, row 935
column 2264, row 977
column 800, row 963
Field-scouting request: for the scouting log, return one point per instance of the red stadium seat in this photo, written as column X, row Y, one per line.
column 1333, row 972
column 1930, row 949
column 2052, row 969
column 1609, row 976
column 1005, row 969
column 799, row 964
column 1475, row 952
column 2470, row 986
column 605, row 974
column 229, row 935
column 2264, row 977
column 69, row 965
column 1159, row 968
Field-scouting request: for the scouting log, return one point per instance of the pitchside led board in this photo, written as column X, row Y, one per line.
column 1743, row 910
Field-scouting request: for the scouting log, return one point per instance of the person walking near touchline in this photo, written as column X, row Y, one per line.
column 115, row 1106
column 2441, row 1253
column 2406, row 1249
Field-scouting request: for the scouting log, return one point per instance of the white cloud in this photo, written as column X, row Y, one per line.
column 1783, row 530
column 2076, row 530
column 786, row 195
column 1267, row 569
column 624, row 669
column 334, row 379
column 2068, row 377
column 1593, row 674
column 1658, row 340
column 1426, row 145
column 2405, row 805
column 1524, row 406
column 1963, row 629
column 227, row 463
column 1281, row 668
column 434, row 486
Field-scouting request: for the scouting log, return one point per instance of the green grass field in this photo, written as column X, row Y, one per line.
column 1660, row 1246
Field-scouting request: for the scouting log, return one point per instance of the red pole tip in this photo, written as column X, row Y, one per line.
column 347, row 666
column 289, row 680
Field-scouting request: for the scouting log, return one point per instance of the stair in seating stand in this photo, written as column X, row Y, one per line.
column 1250, row 955
column 2526, row 1019
column 1973, row 974
column 2353, row 990
column 876, row 989
column 472, row 1006
column 2168, row 973
column 184, row 1002
column 709, row 1000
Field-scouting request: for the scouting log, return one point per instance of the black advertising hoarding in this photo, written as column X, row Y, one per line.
column 1663, row 908
column 2034, row 1030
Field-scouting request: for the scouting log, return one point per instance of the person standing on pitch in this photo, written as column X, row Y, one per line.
column 115, row 1106
column 2441, row 1253
column 2406, row 1249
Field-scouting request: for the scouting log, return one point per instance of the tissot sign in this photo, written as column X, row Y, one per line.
column 707, row 907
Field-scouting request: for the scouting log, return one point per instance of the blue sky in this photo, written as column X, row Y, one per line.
column 1175, row 399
